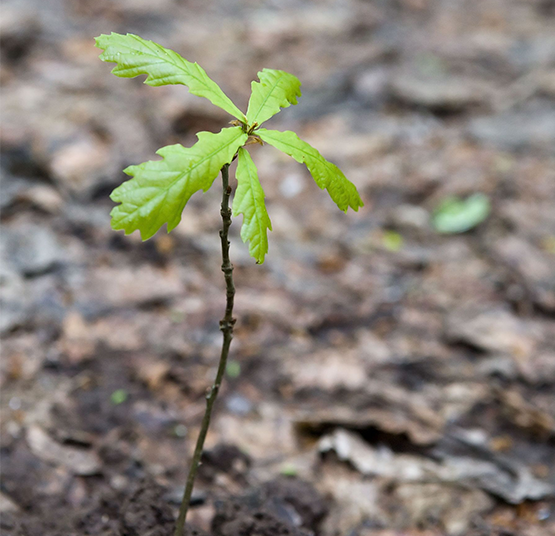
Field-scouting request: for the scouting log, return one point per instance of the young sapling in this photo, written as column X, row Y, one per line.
column 158, row 190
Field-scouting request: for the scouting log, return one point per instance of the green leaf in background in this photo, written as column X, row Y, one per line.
column 327, row 175
column 455, row 215
column 289, row 469
column 233, row 369
column 135, row 56
column 276, row 89
column 392, row 240
column 160, row 189
column 548, row 244
column 119, row 396
column 249, row 201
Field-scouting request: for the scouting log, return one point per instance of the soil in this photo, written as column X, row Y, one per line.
column 286, row 506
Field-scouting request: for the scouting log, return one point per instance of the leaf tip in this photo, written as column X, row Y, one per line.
column 357, row 205
column 98, row 40
column 114, row 196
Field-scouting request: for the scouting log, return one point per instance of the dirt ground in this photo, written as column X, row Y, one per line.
column 385, row 380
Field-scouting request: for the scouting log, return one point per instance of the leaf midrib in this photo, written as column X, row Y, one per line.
column 178, row 62
column 181, row 64
column 179, row 177
column 316, row 156
column 260, row 224
column 267, row 97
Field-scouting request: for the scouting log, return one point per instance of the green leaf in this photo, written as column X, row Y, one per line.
column 233, row 369
column 392, row 240
column 327, row 175
column 455, row 215
column 249, row 201
column 119, row 396
column 135, row 56
column 276, row 89
column 160, row 189
column 289, row 469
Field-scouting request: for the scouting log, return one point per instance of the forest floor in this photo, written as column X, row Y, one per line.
column 385, row 380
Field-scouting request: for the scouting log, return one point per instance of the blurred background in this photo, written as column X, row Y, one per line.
column 393, row 370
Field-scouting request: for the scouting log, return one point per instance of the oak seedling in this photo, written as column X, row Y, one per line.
column 158, row 190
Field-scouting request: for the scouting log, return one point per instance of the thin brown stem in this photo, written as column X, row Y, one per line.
column 226, row 327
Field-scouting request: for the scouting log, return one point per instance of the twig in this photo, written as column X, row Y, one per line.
column 226, row 327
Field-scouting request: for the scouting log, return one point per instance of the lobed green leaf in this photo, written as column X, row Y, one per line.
column 276, row 89
column 327, row 175
column 136, row 56
column 160, row 189
column 249, row 201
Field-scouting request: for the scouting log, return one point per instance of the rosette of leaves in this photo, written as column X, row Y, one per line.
column 158, row 190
